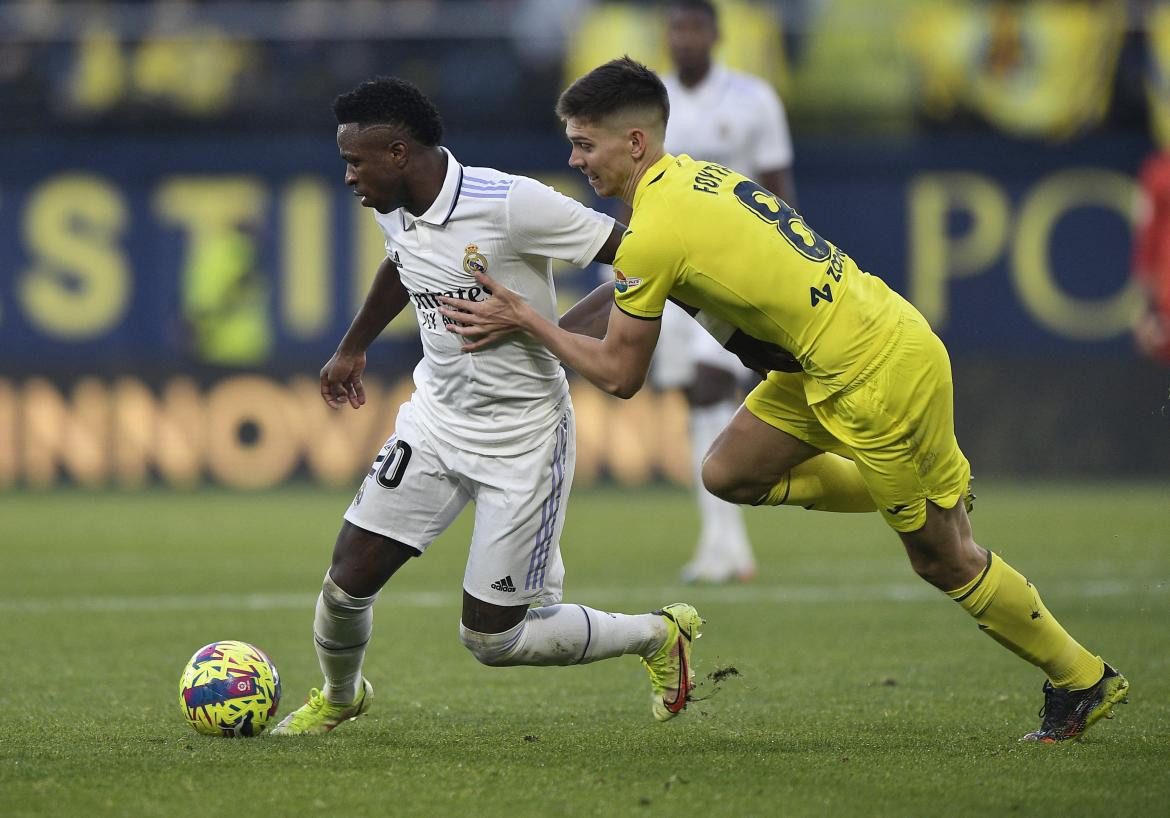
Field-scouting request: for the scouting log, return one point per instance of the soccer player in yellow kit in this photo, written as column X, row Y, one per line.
column 865, row 420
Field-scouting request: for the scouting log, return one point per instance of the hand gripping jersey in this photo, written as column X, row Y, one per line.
column 512, row 227
column 716, row 240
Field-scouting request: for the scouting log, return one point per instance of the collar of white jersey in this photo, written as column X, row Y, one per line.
column 444, row 204
column 716, row 75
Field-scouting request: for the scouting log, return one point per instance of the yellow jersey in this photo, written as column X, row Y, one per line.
column 716, row 240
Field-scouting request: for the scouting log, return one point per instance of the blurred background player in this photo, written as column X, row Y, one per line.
column 1151, row 265
column 1151, row 238
column 737, row 120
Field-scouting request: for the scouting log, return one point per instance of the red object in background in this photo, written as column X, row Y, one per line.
column 1151, row 261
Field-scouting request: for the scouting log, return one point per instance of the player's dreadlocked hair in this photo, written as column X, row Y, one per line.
column 616, row 86
column 391, row 101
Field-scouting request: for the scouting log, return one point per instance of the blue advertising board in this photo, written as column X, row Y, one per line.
column 166, row 303
column 1005, row 246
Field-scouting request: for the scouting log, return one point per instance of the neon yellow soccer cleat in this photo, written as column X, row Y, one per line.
column 316, row 716
column 671, row 673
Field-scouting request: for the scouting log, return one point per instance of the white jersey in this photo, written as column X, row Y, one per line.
column 497, row 399
column 731, row 118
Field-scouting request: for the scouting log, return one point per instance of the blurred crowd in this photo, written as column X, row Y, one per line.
column 1045, row 69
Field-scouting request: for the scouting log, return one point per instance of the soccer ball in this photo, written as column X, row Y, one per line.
column 229, row 689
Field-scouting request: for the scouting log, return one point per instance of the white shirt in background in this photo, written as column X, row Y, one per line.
column 731, row 118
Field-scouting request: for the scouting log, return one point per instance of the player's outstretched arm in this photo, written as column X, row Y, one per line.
column 616, row 364
column 341, row 377
column 590, row 315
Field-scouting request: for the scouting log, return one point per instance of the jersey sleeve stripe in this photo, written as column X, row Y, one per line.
column 486, row 182
column 475, row 186
column 477, row 195
column 635, row 315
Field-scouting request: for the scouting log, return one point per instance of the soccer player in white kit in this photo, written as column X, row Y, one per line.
column 737, row 120
column 494, row 428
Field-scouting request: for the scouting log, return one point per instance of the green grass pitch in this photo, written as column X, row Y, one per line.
column 860, row 691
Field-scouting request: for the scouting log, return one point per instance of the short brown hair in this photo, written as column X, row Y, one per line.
column 616, row 86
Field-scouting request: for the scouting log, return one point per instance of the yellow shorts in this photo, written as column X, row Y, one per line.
column 895, row 421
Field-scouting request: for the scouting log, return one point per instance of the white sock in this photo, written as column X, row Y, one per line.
column 341, row 630
column 723, row 540
column 567, row 635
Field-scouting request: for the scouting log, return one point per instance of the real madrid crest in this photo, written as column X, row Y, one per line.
column 473, row 260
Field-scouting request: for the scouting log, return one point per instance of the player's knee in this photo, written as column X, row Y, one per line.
column 492, row 649
column 723, row 480
column 927, row 565
column 946, row 562
column 714, row 476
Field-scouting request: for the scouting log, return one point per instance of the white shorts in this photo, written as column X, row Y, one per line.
column 417, row 487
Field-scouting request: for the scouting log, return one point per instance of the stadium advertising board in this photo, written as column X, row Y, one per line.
column 153, row 288
column 253, row 431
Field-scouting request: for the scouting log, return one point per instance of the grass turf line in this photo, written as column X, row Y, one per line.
column 861, row 706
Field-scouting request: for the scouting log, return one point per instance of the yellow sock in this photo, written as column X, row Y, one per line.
column 827, row 482
column 1008, row 608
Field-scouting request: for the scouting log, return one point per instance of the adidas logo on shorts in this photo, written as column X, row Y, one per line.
column 504, row 584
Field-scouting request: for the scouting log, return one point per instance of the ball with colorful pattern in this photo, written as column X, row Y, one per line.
column 229, row 689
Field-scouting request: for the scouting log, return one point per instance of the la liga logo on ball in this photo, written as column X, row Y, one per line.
column 244, row 687
column 229, row 689
column 621, row 283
